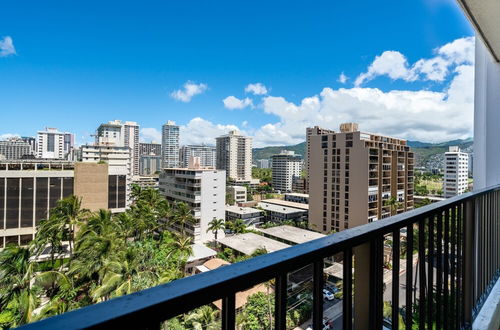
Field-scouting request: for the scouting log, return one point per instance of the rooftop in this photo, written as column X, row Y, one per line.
column 297, row 195
column 287, row 204
column 249, row 242
column 242, row 209
column 292, row 234
column 201, row 252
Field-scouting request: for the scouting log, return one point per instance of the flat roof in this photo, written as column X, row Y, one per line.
column 201, row 252
column 249, row 242
column 287, row 204
column 297, row 194
column 292, row 234
column 242, row 209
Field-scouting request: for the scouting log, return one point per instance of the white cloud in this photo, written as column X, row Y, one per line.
column 7, row 136
column 390, row 63
column 232, row 103
column 150, row 134
column 199, row 131
column 189, row 90
column 395, row 65
column 256, row 89
column 7, row 47
column 342, row 78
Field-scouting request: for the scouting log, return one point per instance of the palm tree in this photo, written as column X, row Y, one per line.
column 71, row 215
column 183, row 216
column 60, row 291
column 17, row 295
column 394, row 205
column 239, row 226
column 183, row 245
column 203, row 318
column 215, row 225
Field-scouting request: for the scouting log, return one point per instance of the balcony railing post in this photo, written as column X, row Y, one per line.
column 362, row 285
column 468, row 269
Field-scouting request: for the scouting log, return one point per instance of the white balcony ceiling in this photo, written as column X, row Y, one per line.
column 485, row 17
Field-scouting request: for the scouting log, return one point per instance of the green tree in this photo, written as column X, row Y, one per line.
column 215, row 225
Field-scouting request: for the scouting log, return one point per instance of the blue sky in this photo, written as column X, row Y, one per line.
column 73, row 65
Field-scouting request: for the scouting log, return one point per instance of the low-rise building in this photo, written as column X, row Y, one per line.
column 203, row 190
column 200, row 255
column 299, row 184
column 290, row 235
column 249, row 215
column 297, row 198
column 279, row 213
column 281, row 202
column 248, row 243
column 238, row 194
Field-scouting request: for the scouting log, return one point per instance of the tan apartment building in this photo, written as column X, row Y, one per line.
column 354, row 174
column 234, row 155
column 310, row 131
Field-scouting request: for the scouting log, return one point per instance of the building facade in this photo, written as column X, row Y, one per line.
column 203, row 190
column 310, row 131
column 118, row 160
column 121, row 134
column 15, row 148
column 147, row 149
column 149, row 165
column 170, row 145
column 30, row 188
column 353, row 176
column 263, row 163
column 297, row 198
column 205, row 153
column 286, row 166
column 52, row 144
column 456, row 172
column 249, row 215
column 238, row 194
column 234, row 155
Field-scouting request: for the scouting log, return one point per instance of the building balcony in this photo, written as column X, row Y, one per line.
column 450, row 263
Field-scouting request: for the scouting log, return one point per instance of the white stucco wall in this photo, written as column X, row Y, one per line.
column 486, row 119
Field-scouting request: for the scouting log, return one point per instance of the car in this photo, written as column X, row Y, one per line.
column 328, row 295
column 332, row 288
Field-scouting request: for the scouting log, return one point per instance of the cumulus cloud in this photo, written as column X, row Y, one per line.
column 256, row 89
column 395, row 65
column 199, row 130
column 7, row 136
column 342, row 78
column 150, row 134
column 232, row 103
column 7, row 47
column 188, row 91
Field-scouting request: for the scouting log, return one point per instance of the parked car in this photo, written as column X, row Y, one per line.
column 328, row 295
column 332, row 288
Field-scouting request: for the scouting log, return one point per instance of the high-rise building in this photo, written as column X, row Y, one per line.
column 263, row 163
column 203, row 190
column 52, row 144
column 121, row 134
column 316, row 130
column 15, row 148
column 456, row 170
column 357, row 177
column 234, row 155
column 32, row 142
column 30, row 188
column 205, row 153
column 286, row 166
column 150, row 149
column 149, row 165
column 170, row 144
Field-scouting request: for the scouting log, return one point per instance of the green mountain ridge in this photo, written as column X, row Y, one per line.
column 426, row 154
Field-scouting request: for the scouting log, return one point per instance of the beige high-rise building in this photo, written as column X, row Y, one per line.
column 310, row 131
column 353, row 176
column 234, row 155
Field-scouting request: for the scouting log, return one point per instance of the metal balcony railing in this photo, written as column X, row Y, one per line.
column 457, row 248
